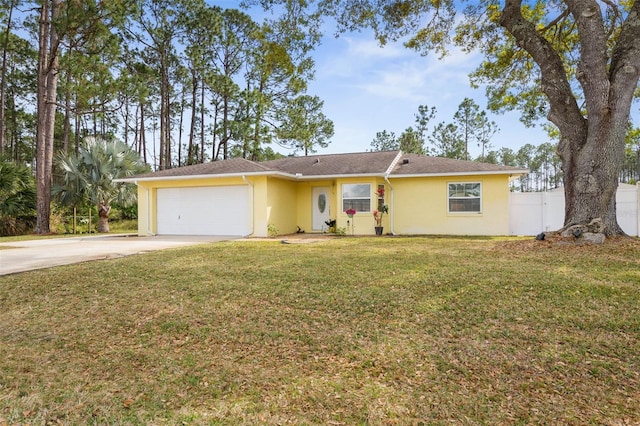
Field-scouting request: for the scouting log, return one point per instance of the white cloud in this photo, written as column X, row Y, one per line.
column 402, row 81
column 416, row 78
column 368, row 88
column 392, row 71
column 358, row 48
column 350, row 56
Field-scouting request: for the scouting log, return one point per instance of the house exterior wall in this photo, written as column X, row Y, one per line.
column 362, row 223
column 290, row 205
column 304, row 202
column 281, row 206
column 259, row 214
column 144, row 210
column 147, row 197
column 420, row 206
column 416, row 205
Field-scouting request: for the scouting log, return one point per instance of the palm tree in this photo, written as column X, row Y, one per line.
column 89, row 175
column 17, row 198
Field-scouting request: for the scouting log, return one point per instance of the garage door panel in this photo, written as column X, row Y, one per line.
column 220, row 210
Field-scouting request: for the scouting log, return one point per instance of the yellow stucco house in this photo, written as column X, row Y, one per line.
column 424, row 195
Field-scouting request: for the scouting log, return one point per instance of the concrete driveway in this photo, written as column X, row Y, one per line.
column 21, row 256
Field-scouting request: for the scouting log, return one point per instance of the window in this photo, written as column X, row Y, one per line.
column 356, row 196
column 465, row 197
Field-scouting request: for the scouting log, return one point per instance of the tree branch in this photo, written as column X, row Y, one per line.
column 624, row 70
column 564, row 111
column 553, row 23
column 593, row 53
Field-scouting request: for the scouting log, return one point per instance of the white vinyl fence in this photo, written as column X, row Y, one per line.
column 533, row 212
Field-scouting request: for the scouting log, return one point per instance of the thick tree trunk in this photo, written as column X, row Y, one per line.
column 47, row 93
column 66, row 127
column 163, row 115
column 103, row 217
column 142, row 132
column 224, row 140
column 592, row 144
column 590, row 172
column 202, row 120
column 192, row 127
column 42, row 200
column 3, row 75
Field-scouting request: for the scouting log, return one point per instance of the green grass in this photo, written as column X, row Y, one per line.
column 35, row 237
column 115, row 227
column 346, row 331
column 124, row 226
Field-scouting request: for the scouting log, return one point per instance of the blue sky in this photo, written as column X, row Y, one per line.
column 367, row 89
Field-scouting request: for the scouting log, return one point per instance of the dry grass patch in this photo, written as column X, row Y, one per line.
column 348, row 331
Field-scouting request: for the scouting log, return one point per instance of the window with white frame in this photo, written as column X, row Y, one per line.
column 356, row 196
column 465, row 197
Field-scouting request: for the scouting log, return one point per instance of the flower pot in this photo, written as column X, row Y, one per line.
column 379, row 230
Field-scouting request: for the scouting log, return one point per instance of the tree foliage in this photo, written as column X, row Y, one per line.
column 412, row 139
column 181, row 82
column 575, row 62
column 88, row 177
column 17, row 198
column 446, row 142
column 385, row 141
column 474, row 126
column 451, row 140
column 304, row 127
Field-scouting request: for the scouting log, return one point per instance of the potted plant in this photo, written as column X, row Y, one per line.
column 350, row 213
column 331, row 225
column 377, row 216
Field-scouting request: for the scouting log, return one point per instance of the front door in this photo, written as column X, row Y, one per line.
column 320, row 196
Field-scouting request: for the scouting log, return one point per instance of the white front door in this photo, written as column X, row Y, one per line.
column 321, row 198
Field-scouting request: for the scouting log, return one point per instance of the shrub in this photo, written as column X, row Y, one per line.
column 17, row 198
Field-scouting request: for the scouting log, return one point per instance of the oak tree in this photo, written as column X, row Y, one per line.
column 575, row 61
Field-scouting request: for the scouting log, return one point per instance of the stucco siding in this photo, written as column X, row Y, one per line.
column 144, row 211
column 417, row 206
column 362, row 223
column 258, row 205
column 420, row 206
column 281, row 212
column 304, row 203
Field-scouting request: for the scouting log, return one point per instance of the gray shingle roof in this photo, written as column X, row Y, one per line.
column 413, row 164
column 364, row 163
column 231, row 166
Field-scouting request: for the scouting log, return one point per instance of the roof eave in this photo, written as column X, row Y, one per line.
column 340, row 176
column 289, row 176
column 204, row 176
column 511, row 173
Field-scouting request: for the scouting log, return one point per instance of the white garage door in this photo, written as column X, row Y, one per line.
column 219, row 210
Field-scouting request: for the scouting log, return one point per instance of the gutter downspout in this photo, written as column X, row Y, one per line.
column 386, row 178
column 251, row 204
column 148, row 211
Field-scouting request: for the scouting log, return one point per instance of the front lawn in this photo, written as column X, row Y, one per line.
column 344, row 331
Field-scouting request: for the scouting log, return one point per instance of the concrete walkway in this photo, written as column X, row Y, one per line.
column 28, row 255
